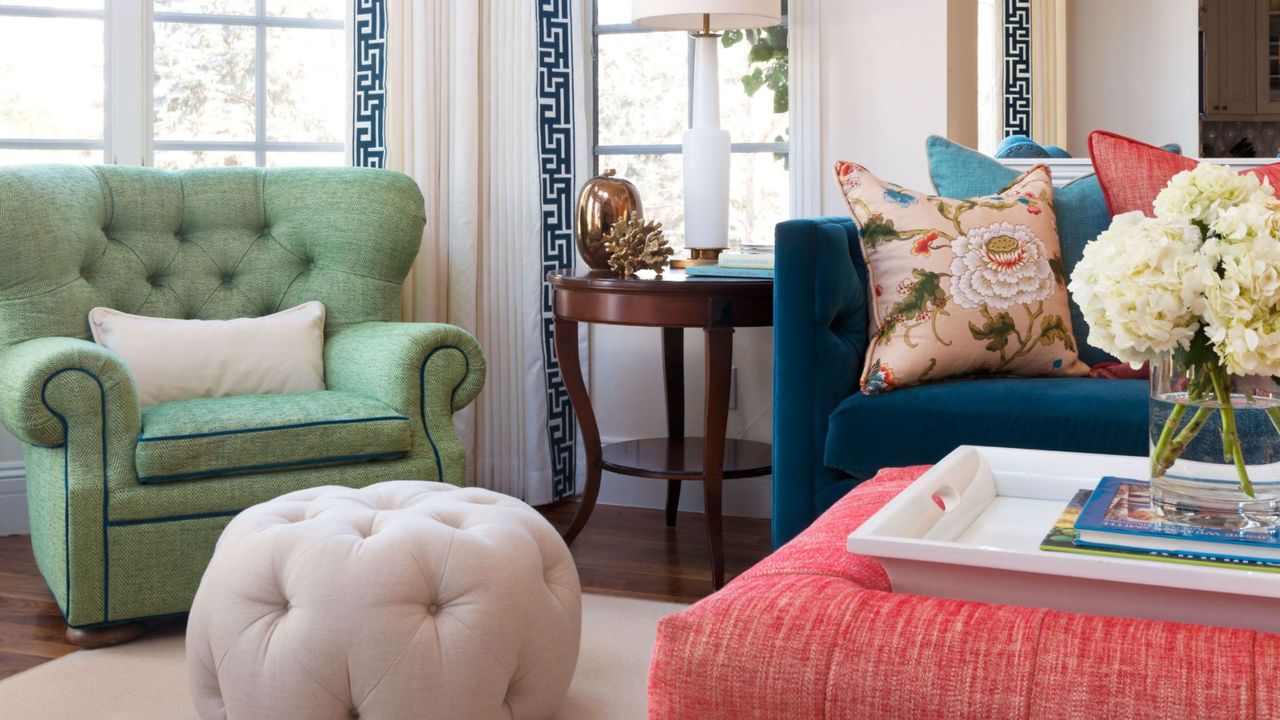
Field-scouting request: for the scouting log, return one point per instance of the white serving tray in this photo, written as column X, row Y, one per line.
column 985, row 546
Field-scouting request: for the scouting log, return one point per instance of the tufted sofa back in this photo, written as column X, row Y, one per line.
column 206, row 244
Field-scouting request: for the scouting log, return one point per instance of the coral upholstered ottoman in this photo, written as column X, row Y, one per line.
column 816, row 632
column 399, row 600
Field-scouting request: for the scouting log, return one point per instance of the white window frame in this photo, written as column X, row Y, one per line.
column 128, row 122
column 598, row 151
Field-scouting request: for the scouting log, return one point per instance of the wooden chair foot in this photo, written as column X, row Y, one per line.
column 89, row 638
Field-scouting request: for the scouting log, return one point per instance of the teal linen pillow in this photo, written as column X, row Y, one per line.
column 1081, row 210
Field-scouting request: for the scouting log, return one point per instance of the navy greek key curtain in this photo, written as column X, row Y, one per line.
column 475, row 100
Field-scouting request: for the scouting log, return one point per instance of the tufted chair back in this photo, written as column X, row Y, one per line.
column 208, row 244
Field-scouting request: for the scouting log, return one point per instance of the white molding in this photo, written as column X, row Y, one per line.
column 13, row 499
column 1067, row 169
column 128, row 119
column 805, row 40
column 1064, row 170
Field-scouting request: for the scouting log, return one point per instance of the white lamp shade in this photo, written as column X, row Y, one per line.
column 687, row 14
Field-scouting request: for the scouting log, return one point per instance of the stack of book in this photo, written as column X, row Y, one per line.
column 1116, row 519
column 748, row 261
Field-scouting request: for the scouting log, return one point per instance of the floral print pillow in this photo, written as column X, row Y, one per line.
column 961, row 287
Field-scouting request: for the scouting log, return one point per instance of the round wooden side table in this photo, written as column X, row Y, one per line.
column 673, row 302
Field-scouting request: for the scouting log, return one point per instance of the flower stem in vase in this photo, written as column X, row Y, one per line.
column 1170, row 447
column 1183, row 439
column 1158, row 458
column 1231, row 449
column 1273, row 413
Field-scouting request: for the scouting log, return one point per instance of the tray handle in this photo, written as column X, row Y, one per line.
column 959, row 493
column 939, row 505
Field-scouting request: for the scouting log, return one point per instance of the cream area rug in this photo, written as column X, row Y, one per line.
column 146, row 679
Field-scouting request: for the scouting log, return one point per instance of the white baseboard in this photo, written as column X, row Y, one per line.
column 13, row 499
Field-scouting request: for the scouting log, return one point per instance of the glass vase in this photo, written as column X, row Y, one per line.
column 1215, row 446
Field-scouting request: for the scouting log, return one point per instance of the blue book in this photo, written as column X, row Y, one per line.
column 718, row 271
column 1119, row 515
column 1062, row 538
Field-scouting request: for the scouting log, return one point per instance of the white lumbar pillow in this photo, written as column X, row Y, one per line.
column 180, row 359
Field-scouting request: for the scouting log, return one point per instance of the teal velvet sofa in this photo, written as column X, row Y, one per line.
column 828, row 436
column 126, row 502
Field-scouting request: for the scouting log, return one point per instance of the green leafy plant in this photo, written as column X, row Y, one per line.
column 769, row 59
column 770, row 64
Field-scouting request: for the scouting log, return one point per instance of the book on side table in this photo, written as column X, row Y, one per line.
column 747, row 257
column 748, row 261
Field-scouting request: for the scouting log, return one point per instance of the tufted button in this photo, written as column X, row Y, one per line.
column 179, row 237
column 432, row 609
column 227, row 278
column 311, row 264
column 153, row 279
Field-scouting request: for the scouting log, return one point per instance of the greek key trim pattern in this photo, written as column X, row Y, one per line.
column 555, row 149
column 368, row 126
column 1017, row 67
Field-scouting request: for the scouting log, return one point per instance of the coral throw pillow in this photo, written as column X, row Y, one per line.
column 961, row 287
column 1132, row 173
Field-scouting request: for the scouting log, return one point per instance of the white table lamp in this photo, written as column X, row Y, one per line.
column 706, row 145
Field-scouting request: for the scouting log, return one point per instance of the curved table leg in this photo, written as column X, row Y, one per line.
column 566, row 332
column 719, row 372
column 673, row 377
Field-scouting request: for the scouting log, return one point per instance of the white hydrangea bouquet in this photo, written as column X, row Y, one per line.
column 1197, row 286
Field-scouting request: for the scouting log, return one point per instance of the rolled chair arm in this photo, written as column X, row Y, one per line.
column 425, row 371
column 42, row 389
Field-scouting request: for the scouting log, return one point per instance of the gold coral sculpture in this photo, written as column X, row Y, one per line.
column 636, row 244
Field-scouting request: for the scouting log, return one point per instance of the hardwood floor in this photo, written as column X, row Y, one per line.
column 623, row 551
column 632, row 552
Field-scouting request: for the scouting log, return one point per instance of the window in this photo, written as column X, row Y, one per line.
column 248, row 82
column 642, row 110
column 219, row 83
column 52, row 81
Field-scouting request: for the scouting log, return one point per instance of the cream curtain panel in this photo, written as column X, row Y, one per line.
column 463, row 120
column 1049, row 72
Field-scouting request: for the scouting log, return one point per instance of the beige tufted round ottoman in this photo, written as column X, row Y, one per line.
column 401, row 600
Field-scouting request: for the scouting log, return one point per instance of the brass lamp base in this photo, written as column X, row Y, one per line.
column 698, row 256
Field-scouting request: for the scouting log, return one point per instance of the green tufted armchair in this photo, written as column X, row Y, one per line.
column 126, row 502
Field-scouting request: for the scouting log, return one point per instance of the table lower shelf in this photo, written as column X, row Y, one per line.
column 681, row 458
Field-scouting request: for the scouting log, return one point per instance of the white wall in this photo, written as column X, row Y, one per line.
column 887, row 84
column 10, row 448
column 13, row 497
column 1133, row 69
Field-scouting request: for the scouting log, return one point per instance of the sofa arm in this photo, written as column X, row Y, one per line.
column 820, row 336
column 426, row 371
column 49, row 383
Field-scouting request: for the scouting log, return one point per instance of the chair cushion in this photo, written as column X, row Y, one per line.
column 922, row 424
column 210, row 437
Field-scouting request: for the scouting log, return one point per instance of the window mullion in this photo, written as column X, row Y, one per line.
column 127, row 128
column 260, row 87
